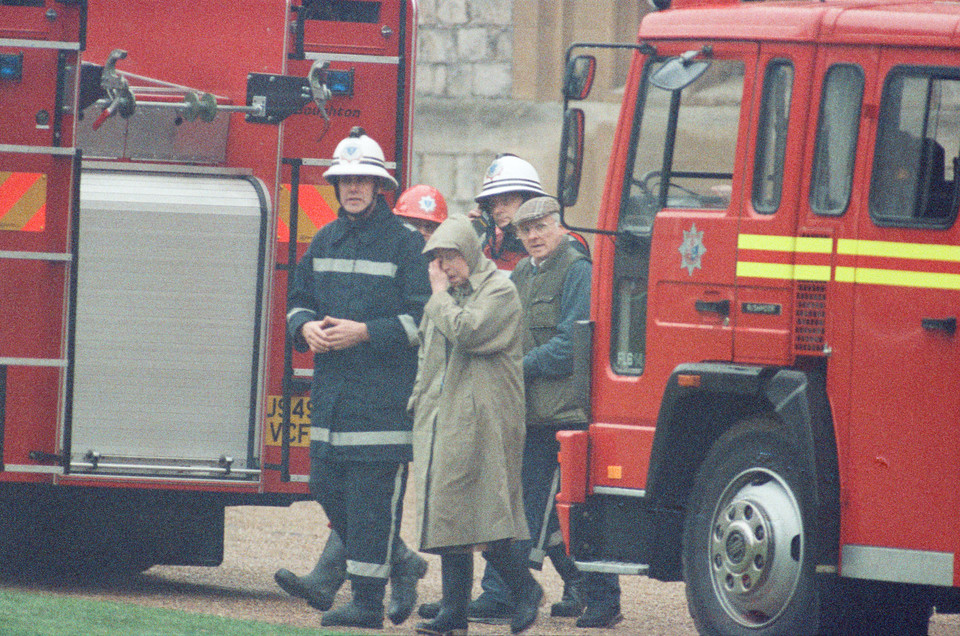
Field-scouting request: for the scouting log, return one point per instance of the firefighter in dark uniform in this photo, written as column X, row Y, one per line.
column 356, row 301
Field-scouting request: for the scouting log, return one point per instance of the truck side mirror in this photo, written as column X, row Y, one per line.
column 578, row 77
column 679, row 72
column 571, row 157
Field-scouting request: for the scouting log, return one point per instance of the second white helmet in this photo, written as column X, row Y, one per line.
column 359, row 155
column 510, row 173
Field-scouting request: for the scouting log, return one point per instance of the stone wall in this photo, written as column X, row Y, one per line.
column 464, row 80
column 487, row 82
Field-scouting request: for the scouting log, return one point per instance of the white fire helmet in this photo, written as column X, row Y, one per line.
column 510, row 173
column 359, row 155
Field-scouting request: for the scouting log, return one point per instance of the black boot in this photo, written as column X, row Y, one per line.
column 405, row 572
column 364, row 610
column 573, row 601
column 574, row 598
column 603, row 616
column 428, row 610
column 514, row 572
column 319, row 588
column 456, row 575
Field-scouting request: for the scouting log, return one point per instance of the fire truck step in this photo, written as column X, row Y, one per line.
column 613, row 567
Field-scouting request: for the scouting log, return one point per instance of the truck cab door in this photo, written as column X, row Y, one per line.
column 770, row 254
column 904, row 268
column 666, row 282
column 692, row 263
column 673, row 269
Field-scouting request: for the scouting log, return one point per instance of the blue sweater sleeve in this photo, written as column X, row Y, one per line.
column 554, row 358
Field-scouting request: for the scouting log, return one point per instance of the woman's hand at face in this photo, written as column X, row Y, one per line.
column 438, row 280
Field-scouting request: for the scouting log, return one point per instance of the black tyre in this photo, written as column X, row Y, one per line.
column 748, row 561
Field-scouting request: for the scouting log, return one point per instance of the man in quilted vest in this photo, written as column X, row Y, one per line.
column 554, row 286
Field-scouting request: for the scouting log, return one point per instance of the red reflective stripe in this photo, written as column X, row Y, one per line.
column 315, row 206
column 38, row 221
column 283, row 231
column 14, row 187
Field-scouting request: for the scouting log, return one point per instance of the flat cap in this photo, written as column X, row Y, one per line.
column 536, row 208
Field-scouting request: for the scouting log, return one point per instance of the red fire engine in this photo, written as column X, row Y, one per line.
column 150, row 156
column 774, row 357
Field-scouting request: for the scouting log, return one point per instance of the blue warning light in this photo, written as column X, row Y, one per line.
column 340, row 82
column 11, row 66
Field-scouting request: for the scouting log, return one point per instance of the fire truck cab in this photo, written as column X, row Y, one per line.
column 774, row 361
column 160, row 174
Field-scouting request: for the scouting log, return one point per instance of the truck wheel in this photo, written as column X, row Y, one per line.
column 748, row 561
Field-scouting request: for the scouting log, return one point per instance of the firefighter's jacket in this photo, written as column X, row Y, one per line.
column 370, row 271
column 468, row 405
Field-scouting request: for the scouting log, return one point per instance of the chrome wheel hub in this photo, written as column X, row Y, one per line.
column 756, row 547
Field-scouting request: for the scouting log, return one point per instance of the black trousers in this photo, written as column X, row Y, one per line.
column 364, row 503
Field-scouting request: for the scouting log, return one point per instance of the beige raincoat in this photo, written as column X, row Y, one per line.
column 468, row 405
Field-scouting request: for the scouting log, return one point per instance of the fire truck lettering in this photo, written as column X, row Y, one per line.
column 297, row 435
column 275, row 432
column 312, row 109
column 768, row 309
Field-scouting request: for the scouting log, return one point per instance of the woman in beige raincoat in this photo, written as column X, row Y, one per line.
column 468, row 430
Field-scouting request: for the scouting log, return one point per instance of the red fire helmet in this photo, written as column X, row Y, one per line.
column 421, row 202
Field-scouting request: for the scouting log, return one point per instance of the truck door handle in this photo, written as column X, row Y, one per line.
column 946, row 325
column 721, row 307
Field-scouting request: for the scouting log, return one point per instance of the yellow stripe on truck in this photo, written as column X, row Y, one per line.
column 847, row 274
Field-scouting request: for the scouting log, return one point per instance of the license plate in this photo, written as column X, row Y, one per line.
column 299, row 432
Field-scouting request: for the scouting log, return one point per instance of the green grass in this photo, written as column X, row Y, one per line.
column 52, row 615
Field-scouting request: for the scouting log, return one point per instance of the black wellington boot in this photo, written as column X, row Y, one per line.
column 515, row 573
column 406, row 570
column 319, row 588
column 574, row 599
column 456, row 576
column 364, row 610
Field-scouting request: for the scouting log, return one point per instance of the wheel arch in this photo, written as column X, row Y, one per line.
column 700, row 403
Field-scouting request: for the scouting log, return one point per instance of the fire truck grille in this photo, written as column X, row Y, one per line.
column 811, row 314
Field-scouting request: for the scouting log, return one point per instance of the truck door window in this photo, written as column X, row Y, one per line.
column 916, row 155
column 836, row 143
column 772, row 136
column 681, row 156
column 686, row 143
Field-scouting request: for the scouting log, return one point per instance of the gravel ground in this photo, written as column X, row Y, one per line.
column 260, row 539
